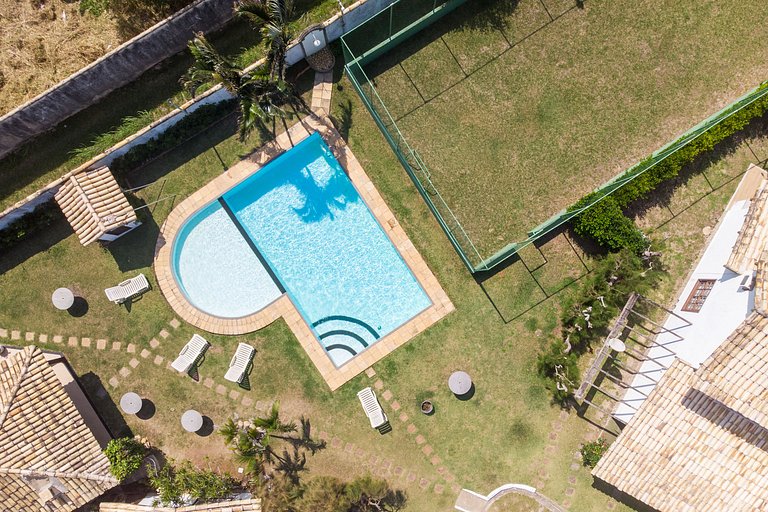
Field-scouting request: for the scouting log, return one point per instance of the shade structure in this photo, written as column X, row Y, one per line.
column 460, row 383
column 63, row 298
column 131, row 403
column 192, row 421
column 94, row 204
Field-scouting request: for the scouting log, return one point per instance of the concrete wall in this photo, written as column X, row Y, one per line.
column 331, row 29
column 119, row 67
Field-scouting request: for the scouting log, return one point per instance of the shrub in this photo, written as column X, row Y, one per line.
column 561, row 371
column 186, row 128
column 125, row 455
column 593, row 451
column 42, row 217
column 607, row 225
column 173, row 482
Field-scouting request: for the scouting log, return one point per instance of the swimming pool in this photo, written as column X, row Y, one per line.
column 298, row 225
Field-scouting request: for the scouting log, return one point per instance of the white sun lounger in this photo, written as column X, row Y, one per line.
column 190, row 354
column 372, row 408
column 239, row 364
column 128, row 289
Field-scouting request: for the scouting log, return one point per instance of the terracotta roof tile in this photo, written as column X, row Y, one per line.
column 753, row 236
column 248, row 505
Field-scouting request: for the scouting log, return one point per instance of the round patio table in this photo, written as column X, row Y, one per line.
column 63, row 298
column 192, row 421
column 617, row 345
column 460, row 383
column 131, row 403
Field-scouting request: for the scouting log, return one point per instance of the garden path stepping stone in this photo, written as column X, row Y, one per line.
column 3, row 333
column 15, row 335
column 101, row 344
column 30, row 336
column 133, row 363
column 58, row 338
column 175, row 323
column 116, row 345
column 43, row 338
column 72, row 342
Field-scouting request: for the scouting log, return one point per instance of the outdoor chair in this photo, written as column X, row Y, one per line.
column 238, row 367
column 190, row 354
column 128, row 289
column 372, row 408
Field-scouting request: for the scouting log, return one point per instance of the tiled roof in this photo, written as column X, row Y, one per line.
column 761, row 284
column 47, row 452
column 753, row 236
column 249, row 505
column 93, row 203
column 684, row 451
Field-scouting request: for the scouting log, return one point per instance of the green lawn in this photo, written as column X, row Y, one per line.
column 508, row 432
column 520, row 110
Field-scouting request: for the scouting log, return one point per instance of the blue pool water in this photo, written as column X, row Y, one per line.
column 323, row 246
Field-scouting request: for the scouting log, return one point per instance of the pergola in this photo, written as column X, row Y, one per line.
column 95, row 206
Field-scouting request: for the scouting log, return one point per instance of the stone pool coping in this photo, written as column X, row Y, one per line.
column 283, row 306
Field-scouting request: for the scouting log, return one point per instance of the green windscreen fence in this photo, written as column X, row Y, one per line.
column 404, row 18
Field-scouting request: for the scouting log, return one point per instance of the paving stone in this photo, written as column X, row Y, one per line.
column 221, row 390
column 566, row 503
column 234, row 395
column 575, row 466
column 569, row 491
column 386, row 464
column 349, row 448
column 208, row 382
column 131, row 348
column 403, row 417
column 378, row 384
column 373, row 460
column 456, row 488
column 124, row 372
column 441, row 470
column 158, row 360
column 164, row 334
column 58, row 338
column 133, row 363
column 387, row 395
column 114, row 382
column 435, row 460
column 411, row 428
column 557, row 426
column 101, row 344
column 553, row 436
column 420, row 439
column 360, row 453
column 86, row 342
column 247, row 402
column 538, row 484
column 29, row 336
column 260, row 405
column 439, row 488
column 72, row 341
column 611, row 505
column 3, row 333
column 572, row 480
column 43, row 338
column 577, row 455
column 154, row 343
column 423, row 483
column 543, row 474
column 15, row 335
column 370, row 372
column 395, row 405
column 398, row 471
column 411, row 476
column 564, row 415
column 116, row 345
column 337, row 443
column 145, row 353
column 175, row 323
column 427, row 450
column 383, row 471
column 449, row 478
column 549, row 449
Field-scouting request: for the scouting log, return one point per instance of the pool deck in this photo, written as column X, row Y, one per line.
column 283, row 306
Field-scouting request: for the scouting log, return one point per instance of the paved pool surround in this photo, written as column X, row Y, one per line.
column 283, row 306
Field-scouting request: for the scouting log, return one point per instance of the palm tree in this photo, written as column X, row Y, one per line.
column 261, row 97
column 255, row 444
column 272, row 16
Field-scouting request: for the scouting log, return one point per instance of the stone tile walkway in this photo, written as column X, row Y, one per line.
column 321, row 92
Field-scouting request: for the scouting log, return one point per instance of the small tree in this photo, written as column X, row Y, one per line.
column 593, row 451
column 173, row 483
column 125, row 455
column 369, row 494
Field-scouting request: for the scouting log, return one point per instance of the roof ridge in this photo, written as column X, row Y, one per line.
column 6, row 408
column 57, row 474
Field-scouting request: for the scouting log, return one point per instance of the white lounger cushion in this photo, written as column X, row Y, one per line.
column 372, row 407
column 128, row 289
column 239, row 363
column 190, row 353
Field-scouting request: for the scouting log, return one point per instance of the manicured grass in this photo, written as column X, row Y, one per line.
column 502, row 435
column 518, row 115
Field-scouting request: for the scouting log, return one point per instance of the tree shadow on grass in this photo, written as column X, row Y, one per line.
column 35, row 244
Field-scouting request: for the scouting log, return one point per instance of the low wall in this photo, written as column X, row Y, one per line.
column 115, row 69
column 329, row 31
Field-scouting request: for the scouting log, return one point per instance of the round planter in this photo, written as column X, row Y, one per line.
column 427, row 407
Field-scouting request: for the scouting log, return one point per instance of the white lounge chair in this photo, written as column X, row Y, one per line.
column 372, row 408
column 190, row 354
column 128, row 289
column 239, row 364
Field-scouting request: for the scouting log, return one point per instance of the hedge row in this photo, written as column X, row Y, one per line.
column 23, row 227
column 605, row 222
column 186, row 128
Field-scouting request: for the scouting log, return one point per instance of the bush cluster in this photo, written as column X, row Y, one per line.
column 587, row 316
column 605, row 222
column 175, row 484
column 42, row 217
column 186, row 128
column 125, row 456
column 593, row 451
